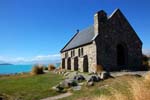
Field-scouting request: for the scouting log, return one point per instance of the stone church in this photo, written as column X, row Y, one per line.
column 110, row 42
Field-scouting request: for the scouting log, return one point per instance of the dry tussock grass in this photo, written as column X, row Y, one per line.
column 102, row 97
column 147, row 77
column 115, row 96
column 37, row 69
column 51, row 67
column 98, row 68
column 138, row 90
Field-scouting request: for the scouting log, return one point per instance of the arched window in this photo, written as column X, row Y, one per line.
column 82, row 51
column 66, row 54
column 122, row 55
column 79, row 52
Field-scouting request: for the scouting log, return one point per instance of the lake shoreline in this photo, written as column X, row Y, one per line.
column 14, row 74
column 6, row 70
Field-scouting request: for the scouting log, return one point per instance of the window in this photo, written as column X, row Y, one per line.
column 82, row 51
column 79, row 52
column 66, row 54
column 72, row 53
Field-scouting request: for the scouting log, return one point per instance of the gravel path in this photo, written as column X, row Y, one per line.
column 114, row 74
column 58, row 96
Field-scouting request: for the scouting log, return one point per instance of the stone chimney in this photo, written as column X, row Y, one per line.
column 100, row 18
column 77, row 30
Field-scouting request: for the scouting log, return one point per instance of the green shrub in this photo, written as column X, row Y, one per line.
column 37, row 69
column 45, row 68
column 145, row 62
column 51, row 67
column 74, row 83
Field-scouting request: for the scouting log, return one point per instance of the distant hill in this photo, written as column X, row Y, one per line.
column 146, row 52
column 5, row 64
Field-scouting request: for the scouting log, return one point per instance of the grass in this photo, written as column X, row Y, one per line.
column 119, row 88
column 27, row 87
column 138, row 90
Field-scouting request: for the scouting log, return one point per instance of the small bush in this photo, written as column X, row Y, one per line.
column 145, row 62
column 37, row 69
column 51, row 67
column 45, row 68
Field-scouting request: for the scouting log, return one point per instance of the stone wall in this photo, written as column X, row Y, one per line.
column 89, row 51
column 113, row 32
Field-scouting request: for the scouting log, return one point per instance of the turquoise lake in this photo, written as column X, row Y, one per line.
column 12, row 69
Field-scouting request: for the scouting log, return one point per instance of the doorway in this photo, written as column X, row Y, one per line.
column 85, row 64
column 63, row 63
column 69, row 64
column 122, row 56
column 76, row 63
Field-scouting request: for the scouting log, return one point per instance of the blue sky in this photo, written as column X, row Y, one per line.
column 37, row 29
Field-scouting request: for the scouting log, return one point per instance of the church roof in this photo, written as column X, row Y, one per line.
column 81, row 38
column 87, row 35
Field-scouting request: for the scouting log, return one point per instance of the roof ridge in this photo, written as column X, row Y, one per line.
column 117, row 9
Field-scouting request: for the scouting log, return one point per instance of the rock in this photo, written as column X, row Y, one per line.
column 76, row 73
column 76, row 88
column 59, row 88
column 80, row 84
column 104, row 75
column 66, row 74
column 54, row 87
column 1, row 98
column 62, row 73
column 90, row 83
column 79, row 78
column 56, row 72
column 94, row 78
column 73, row 83
column 68, row 83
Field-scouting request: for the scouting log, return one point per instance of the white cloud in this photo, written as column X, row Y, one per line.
column 146, row 51
column 46, row 57
column 35, row 59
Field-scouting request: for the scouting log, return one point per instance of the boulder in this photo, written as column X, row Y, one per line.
column 59, row 88
column 90, row 83
column 66, row 74
column 81, row 84
column 62, row 72
column 76, row 88
column 104, row 75
column 79, row 78
column 94, row 78
column 68, row 83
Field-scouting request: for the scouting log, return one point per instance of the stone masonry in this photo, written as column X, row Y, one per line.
column 110, row 42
